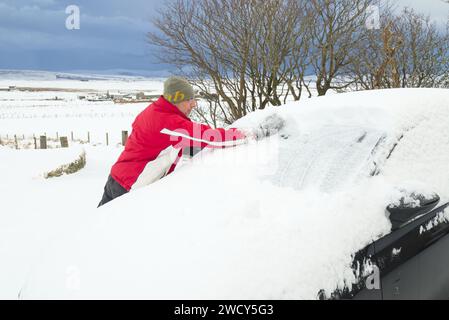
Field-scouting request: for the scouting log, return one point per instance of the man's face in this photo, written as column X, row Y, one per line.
column 187, row 106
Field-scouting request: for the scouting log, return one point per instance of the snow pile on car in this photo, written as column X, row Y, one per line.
column 274, row 219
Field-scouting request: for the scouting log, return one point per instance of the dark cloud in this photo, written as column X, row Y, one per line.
column 112, row 35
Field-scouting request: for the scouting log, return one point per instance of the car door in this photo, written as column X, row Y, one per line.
column 409, row 263
column 413, row 260
column 434, row 259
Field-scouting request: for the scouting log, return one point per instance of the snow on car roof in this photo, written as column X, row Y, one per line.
column 276, row 219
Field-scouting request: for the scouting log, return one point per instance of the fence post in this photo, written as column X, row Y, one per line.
column 64, row 142
column 43, row 142
column 107, row 139
column 88, row 137
column 71, row 136
column 15, row 141
column 57, row 135
column 35, row 141
column 124, row 137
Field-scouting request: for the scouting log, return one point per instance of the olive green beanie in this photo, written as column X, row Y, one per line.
column 178, row 89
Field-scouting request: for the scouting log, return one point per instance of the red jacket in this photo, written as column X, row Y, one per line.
column 158, row 135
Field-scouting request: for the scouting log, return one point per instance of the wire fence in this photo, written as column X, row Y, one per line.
column 44, row 141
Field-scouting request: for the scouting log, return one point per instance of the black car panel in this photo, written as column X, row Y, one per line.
column 434, row 270
column 411, row 262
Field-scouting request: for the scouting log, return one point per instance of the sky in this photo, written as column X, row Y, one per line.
column 33, row 34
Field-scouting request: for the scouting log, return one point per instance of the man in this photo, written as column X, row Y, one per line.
column 159, row 134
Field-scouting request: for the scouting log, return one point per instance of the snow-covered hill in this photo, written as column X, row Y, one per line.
column 278, row 218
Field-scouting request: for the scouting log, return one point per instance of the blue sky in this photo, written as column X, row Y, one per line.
column 112, row 34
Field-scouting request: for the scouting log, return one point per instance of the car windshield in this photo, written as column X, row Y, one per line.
column 327, row 158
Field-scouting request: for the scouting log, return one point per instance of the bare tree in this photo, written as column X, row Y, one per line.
column 336, row 31
column 422, row 56
column 200, row 38
column 275, row 57
column 296, row 63
column 244, row 55
column 237, row 51
column 445, row 77
column 408, row 51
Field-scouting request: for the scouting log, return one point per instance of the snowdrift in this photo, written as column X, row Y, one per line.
column 39, row 163
column 274, row 219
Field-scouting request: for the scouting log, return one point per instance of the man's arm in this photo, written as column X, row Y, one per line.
column 192, row 134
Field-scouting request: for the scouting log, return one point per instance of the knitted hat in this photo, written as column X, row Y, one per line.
column 178, row 89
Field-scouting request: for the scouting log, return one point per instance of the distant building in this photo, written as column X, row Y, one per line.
column 97, row 97
column 131, row 96
column 116, row 95
column 147, row 96
column 121, row 97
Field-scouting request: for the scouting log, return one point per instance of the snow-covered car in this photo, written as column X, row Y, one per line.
column 341, row 202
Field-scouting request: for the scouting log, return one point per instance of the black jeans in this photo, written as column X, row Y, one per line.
column 112, row 190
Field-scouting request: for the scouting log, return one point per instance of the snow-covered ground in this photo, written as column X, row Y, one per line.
column 278, row 218
column 38, row 112
column 35, row 211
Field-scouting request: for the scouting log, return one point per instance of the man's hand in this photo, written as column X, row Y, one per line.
column 269, row 126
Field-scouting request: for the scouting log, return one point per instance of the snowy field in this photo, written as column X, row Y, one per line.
column 33, row 209
column 279, row 218
column 60, row 111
